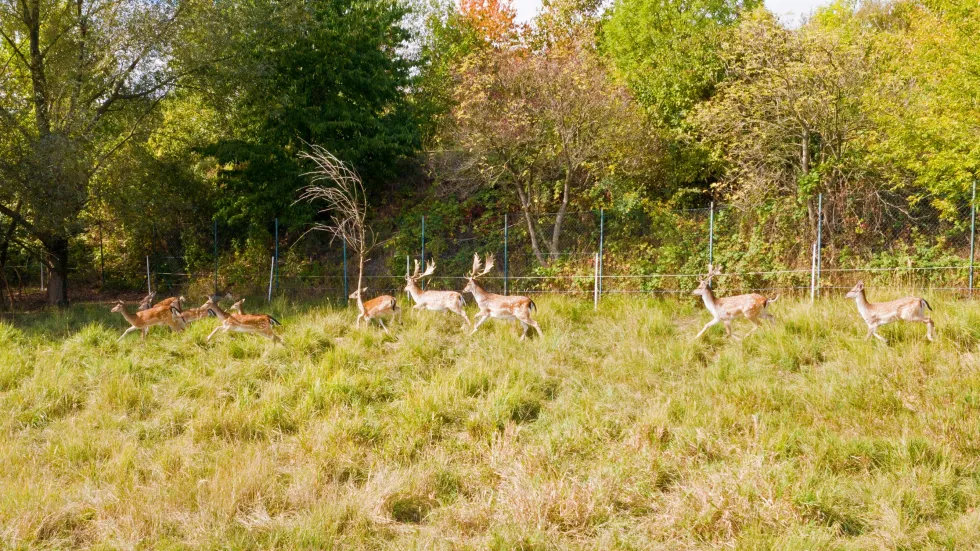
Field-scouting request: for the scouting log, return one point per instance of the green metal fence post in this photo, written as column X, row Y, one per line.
column 973, row 231
column 215, row 257
column 505, row 255
column 819, row 239
column 602, row 239
column 422, row 283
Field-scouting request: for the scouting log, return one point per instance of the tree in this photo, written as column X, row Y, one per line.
column 331, row 72
column 669, row 51
column 543, row 125
column 79, row 79
column 788, row 121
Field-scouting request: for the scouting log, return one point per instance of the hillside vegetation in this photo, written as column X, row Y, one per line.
column 614, row 431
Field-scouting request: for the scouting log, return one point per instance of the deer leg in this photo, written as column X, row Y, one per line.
column 728, row 330
column 466, row 318
column 930, row 328
column 527, row 321
column 143, row 334
column 126, row 332
column 357, row 322
column 524, row 334
column 479, row 323
column 383, row 326
column 756, row 325
column 706, row 327
column 216, row 329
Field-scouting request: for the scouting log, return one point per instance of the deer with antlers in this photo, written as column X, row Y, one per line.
column 378, row 308
column 243, row 323
column 876, row 314
column 752, row 306
column 437, row 301
column 498, row 306
column 163, row 314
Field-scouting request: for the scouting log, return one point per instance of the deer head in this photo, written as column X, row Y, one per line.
column 119, row 307
column 147, row 300
column 856, row 291
column 705, row 282
column 237, row 306
column 475, row 272
column 358, row 293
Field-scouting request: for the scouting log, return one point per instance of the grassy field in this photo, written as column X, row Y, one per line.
column 614, row 431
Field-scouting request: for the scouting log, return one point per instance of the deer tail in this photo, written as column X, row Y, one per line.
column 462, row 301
column 532, row 306
column 274, row 321
column 925, row 303
column 773, row 299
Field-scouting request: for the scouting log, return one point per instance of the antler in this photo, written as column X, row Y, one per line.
column 430, row 267
column 488, row 265
column 476, row 265
column 712, row 272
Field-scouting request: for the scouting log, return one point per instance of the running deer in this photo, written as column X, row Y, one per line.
column 377, row 308
column 243, row 323
column 752, row 306
column 143, row 320
column 147, row 301
column 437, row 301
column 194, row 314
column 876, row 314
column 498, row 306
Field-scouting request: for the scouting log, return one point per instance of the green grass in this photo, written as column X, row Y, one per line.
column 614, row 431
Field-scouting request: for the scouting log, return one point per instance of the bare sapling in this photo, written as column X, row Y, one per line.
column 752, row 306
column 342, row 191
column 876, row 314
column 498, row 306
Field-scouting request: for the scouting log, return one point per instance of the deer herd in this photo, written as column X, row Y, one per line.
column 753, row 307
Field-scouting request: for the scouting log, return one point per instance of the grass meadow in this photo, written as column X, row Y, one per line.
column 614, row 431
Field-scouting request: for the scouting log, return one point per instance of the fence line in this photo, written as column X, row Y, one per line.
column 595, row 253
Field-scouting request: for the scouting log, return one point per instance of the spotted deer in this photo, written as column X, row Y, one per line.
column 498, row 306
column 724, row 310
column 378, row 308
column 143, row 320
column 876, row 314
column 191, row 315
column 437, row 301
column 243, row 323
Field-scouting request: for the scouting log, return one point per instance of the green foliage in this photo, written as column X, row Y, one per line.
column 668, row 51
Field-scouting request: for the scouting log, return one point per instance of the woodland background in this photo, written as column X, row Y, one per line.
column 137, row 128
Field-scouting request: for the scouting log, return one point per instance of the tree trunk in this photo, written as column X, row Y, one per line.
column 526, row 209
column 560, row 217
column 57, row 249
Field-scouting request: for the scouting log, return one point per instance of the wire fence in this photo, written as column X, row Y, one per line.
column 589, row 254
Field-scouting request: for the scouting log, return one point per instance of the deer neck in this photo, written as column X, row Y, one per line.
column 862, row 303
column 709, row 301
column 360, row 303
column 479, row 294
column 133, row 320
column 414, row 290
column 221, row 314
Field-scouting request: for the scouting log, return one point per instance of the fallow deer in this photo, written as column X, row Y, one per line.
column 752, row 306
column 437, row 301
column 143, row 320
column 378, row 308
column 147, row 301
column 882, row 313
column 498, row 306
column 194, row 314
column 243, row 323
